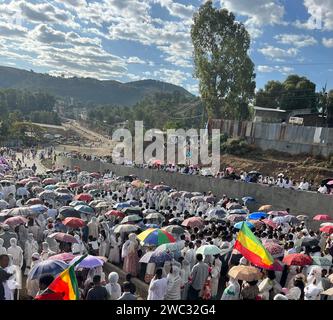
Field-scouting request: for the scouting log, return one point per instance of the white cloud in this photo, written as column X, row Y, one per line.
column 177, row 9
column 321, row 15
column 278, row 53
column 328, row 42
column 135, row 60
column 298, row 40
column 268, row 69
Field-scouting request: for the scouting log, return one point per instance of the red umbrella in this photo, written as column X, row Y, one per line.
column 48, row 181
column 24, row 181
column 322, row 217
column 73, row 185
column 84, row 197
column 34, row 201
column 63, row 237
column 15, row 221
column 327, row 229
column 297, row 259
column 270, row 223
column 274, row 249
column 193, row 222
column 115, row 213
column 74, row 223
column 66, row 257
column 330, row 183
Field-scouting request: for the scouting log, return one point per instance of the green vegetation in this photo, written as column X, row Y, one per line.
column 222, row 64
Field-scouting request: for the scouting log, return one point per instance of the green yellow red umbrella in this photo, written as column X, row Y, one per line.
column 155, row 237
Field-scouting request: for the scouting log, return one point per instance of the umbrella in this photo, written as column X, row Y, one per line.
column 174, row 229
column 66, row 257
column 198, row 199
column 236, row 218
column 245, row 273
column 74, row 223
column 257, row 215
column 84, row 197
column 24, row 181
column 162, row 187
column 155, row 216
column 209, row 199
column 102, row 204
column 239, row 225
column 209, row 250
column 50, row 187
column 322, row 217
column 63, row 237
column 326, row 224
column 62, row 190
column 47, row 194
column 39, row 208
column 146, row 257
column 74, row 185
column 279, row 220
column 115, row 213
column 31, row 184
column 125, row 228
column 95, row 175
column 193, row 222
column 68, row 211
column 58, row 170
column 53, row 267
column 327, row 229
column 77, row 203
column 172, row 247
column 84, row 209
column 88, row 262
column 237, row 211
column 175, row 194
column 37, row 189
column 133, row 203
column 90, row 186
column 257, row 223
column 310, row 242
column 234, row 206
column 155, row 237
column 248, row 199
column 3, row 204
column 16, row 221
column 265, row 207
column 291, row 219
column 20, row 211
column 176, row 221
column 64, row 197
column 132, row 210
column 34, row 201
column 270, row 223
column 159, row 257
column 274, row 249
column 131, row 218
column 302, row 217
column 278, row 213
column 137, row 184
column 297, row 259
column 122, row 205
column 217, row 212
column 321, row 261
column 48, row 181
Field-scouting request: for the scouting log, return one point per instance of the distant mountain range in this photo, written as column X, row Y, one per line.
column 86, row 90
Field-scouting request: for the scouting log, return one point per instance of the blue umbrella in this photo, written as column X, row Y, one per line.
column 238, row 225
column 38, row 208
column 248, row 199
column 64, row 197
column 133, row 203
column 122, row 205
column 257, row 215
column 160, row 257
column 53, row 267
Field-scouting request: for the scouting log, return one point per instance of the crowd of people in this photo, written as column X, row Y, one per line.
column 180, row 243
column 281, row 180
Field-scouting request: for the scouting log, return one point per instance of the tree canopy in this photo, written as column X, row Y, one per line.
column 222, row 64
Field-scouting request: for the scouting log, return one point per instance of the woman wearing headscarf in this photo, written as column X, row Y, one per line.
column 269, row 287
column 115, row 243
column 130, row 255
column 232, row 291
column 113, row 287
column 31, row 246
column 174, row 283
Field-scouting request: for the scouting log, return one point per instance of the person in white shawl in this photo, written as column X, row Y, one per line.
column 3, row 250
column 269, row 287
column 31, row 246
column 113, row 287
column 174, row 283
column 130, row 255
column 13, row 282
column 93, row 227
column 232, row 291
column 114, row 254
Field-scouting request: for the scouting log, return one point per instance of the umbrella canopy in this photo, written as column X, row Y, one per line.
column 84, row 197
column 34, row 201
column 302, row 217
column 245, row 273
column 77, row 203
column 236, row 218
column 326, row 224
column 176, row 221
column 155, row 237
column 95, row 175
column 193, row 222
column 175, row 194
column 115, row 213
column 84, row 209
column 209, row 250
column 3, row 204
column 15, row 221
column 74, row 185
column 68, row 211
column 237, row 211
column 159, row 258
column 155, row 216
column 137, row 184
column 66, row 257
column 47, row 194
column 198, row 199
column 270, row 223
column 278, row 213
column 62, row 190
column 146, row 257
column 297, row 259
column 257, row 215
column 48, row 181
column 31, row 184
column 53, row 267
column 74, row 223
column 132, row 210
column 174, row 229
column 239, row 225
column 171, row 247
column 274, row 249
column 279, row 220
column 234, row 206
column 122, row 205
column 248, row 199
column 322, row 217
column 265, row 207
column 162, row 187
column 89, row 262
column 310, row 242
column 131, row 218
column 102, row 204
column 257, row 223
column 291, row 219
column 90, row 186
column 321, row 261
column 64, row 197
column 217, row 212
column 20, row 211
column 327, row 229
column 50, row 187
column 133, row 203
column 125, row 228
column 39, row 208
column 63, row 237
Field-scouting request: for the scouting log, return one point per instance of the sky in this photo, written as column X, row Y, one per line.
column 130, row 40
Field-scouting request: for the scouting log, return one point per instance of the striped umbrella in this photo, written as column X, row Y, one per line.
column 155, row 237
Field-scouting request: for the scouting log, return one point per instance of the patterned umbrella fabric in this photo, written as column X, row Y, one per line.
column 193, row 222
column 48, row 181
column 68, row 211
column 297, row 259
column 265, row 207
column 155, row 237
column 321, row 261
column 236, row 218
column 237, row 211
column 89, row 262
column 274, row 249
column 38, row 208
column 21, row 211
column 84, row 209
column 155, row 216
column 34, row 201
column 47, row 195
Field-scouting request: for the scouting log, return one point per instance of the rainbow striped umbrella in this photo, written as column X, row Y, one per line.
column 155, row 237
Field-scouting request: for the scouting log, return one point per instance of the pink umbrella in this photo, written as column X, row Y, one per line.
column 330, row 183
column 269, row 223
column 15, row 221
column 48, row 181
column 34, row 201
column 274, row 249
column 63, row 237
column 66, row 257
column 278, row 213
column 322, row 217
column 193, row 222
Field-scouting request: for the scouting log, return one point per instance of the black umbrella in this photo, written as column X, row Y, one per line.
column 132, row 210
column 67, row 211
column 310, row 242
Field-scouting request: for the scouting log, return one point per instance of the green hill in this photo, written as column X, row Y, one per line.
column 86, row 90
